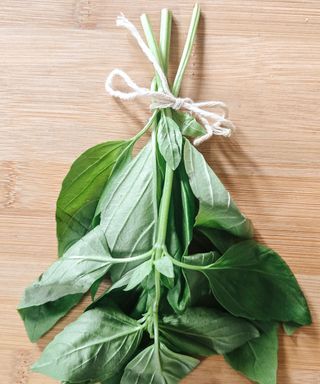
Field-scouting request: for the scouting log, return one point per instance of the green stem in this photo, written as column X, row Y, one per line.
column 187, row 49
column 189, row 266
column 145, row 128
column 151, row 41
column 162, row 55
column 165, row 34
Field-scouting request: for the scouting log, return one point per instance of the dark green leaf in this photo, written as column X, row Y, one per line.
column 205, row 331
column 188, row 124
column 252, row 281
column 179, row 295
column 258, row 358
column 116, row 379
column 188, row 210
column 170, row 141
column 190, row 286
column 94, row 347
column 197, row 284
column 221, row 240
column 81, row 190
column 164, row 367
column 217, row 209
column 290, row 327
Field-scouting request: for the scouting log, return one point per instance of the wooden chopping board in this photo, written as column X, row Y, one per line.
column 261, row 57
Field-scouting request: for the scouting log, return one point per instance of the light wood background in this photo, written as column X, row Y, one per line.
column 260, row 57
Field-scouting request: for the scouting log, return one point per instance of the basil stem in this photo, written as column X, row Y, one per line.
column 162, row 55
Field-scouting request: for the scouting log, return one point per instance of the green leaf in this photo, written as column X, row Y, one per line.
column 217, row 209
column 258, row 358
column 39, row 319
column 127, row 215
column 188, row 124
column 84, row 263
column 188, row 210
column 179, row 296
column 139, row 274
column 61, row 287
column 128, row 281
column 165, row 266
column 117, row 173
column 190, row 285
column 158, row 367
column 252, row 281
column 197, row 284
column 93, row 348
column 205, row 331
column 95, row 287
column 170, row 141
column 221, row 240
column 173, row 238
column 81, row 190
column 290, row 327
column 116, row 379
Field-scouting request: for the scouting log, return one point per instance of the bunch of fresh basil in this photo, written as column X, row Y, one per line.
column 187, row 278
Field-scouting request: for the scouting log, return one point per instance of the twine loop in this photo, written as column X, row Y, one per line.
column 215, row 122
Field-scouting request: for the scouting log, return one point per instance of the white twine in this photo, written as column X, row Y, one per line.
column 214, row 123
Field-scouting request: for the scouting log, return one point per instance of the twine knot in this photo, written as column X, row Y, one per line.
column 214, row 123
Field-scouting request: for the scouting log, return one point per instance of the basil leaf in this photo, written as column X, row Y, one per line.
column 81, row 190
column 181, row 216
column 188, row 124
column 119, row 167
column 93, row 348
column 139, row 274
column 83, row 264
column 217, row 209
column 39, row 319
column 61, row 287
column 165, row 266
column 197, row 284
column 252, row 281
column 130, row 277
column 173, row 238
column 95, row 287
column 190, row 285
column 258, row 358
column 170, row 141
column 179, row 296
column 127, row 215
column 205, row 331
column 221, row 240
column 116, row 379
column 187, row 209
column 290, row 327
column 164, row 367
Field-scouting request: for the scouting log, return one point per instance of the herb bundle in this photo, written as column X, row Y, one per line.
column 187, row 278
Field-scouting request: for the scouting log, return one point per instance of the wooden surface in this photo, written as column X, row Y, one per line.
column 260, row 57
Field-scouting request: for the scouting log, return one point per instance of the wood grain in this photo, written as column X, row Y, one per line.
column 261, row 57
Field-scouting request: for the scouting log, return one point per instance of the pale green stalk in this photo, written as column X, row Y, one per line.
column 162, row 55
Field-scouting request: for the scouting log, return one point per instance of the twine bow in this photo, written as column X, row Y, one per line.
column 215, row 123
